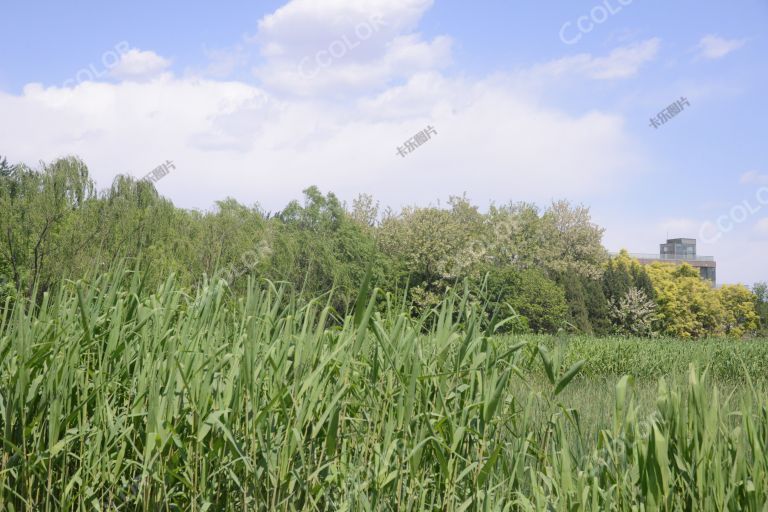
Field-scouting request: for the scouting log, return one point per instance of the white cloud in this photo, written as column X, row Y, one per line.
column 337, row 46
column 233, row 138
column 622, row 62
column 302, row 25
column 714, row 47
column 319, row 75
column 753, row 178
column 139, row 65
column 230, row 138
column 625, row 61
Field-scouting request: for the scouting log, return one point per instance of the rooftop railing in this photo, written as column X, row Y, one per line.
column 667, row 257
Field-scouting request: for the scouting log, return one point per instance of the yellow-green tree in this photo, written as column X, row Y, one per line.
column 740, row 307
column 688, row 307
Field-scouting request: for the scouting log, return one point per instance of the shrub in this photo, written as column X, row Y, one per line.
column 530, row 294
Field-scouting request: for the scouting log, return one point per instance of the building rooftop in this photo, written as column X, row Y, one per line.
column 678, row 251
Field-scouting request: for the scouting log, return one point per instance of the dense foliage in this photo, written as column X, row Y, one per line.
column 690, row 308
column 328, row 357
column 548, row 266
column 647, row 360
column 761, row 295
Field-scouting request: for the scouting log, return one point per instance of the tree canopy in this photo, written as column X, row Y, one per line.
column 547, row 267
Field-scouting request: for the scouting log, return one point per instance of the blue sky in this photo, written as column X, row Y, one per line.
column 527, row 105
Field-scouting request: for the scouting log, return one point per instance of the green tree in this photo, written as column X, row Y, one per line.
column 37, row 210
column 365, row 211
column 7, row 289
column 319, row 246
column 622, row 273
column 572, row 241
column 598, row 307
column 561, row 240
column 641, row 280
column 135, row 221
column 529, row 293
column 512, row 234
column 578, row 313
column 430, row 247
column 761, row 294
column 5, row 168
column 233, row 240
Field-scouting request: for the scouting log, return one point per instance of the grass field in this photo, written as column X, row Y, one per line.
column 115, row 398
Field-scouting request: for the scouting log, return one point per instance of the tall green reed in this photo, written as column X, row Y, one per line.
column 114, row 397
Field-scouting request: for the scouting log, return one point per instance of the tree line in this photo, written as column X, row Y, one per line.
column 540, row 269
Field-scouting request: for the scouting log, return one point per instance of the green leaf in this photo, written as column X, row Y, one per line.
column 490, row 408
column 485, row 472
column 331, row 437
column 548, row 366
column 363, row 296
column 568, row 377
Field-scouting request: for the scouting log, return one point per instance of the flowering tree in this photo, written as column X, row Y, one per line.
column 634, row 313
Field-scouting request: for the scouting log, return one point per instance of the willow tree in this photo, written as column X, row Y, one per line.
column 38, row 210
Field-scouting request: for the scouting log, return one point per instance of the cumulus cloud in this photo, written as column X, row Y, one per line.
column 328, row 72
column 230, row 137
column 339, row 48
column 139, row 65
column 316, row 48
column 262, row 143
column 715, row 47
column 303, row 25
